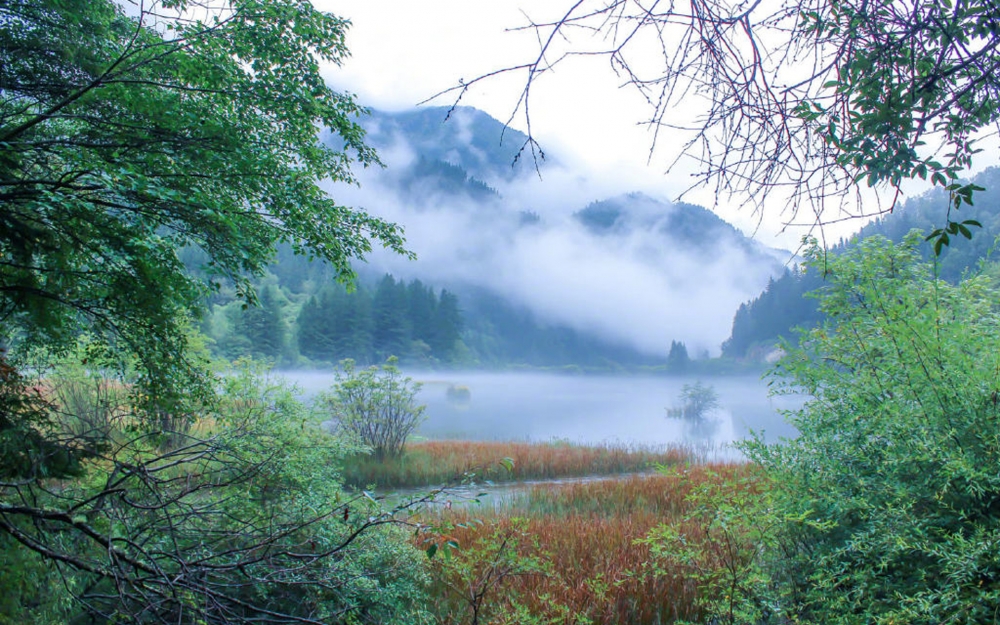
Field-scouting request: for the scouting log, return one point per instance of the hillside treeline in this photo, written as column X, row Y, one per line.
column 784, row 304
column 304, row 317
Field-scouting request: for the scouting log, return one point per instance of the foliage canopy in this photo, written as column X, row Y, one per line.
column 132, row 135
column 128, row 135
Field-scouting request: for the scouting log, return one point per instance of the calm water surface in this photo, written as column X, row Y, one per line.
column 584, row 409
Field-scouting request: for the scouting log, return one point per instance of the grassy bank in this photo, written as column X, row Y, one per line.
column 569, row 554
column 438, row 462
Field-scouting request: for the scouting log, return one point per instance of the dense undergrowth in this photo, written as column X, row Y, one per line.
column 883, row 509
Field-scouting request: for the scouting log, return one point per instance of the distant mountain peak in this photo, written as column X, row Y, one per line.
column 469, row 138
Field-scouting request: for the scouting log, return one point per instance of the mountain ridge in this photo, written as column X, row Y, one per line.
column 465, row 208
column 760, row 323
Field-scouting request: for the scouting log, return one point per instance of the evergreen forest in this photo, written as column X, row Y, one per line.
column 789, row 301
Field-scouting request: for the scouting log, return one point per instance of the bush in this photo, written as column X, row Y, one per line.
column 889, row 499
column 376, row 406
column 715, row 546
column 244, row 522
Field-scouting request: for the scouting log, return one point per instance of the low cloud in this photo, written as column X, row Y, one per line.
column 635, row 286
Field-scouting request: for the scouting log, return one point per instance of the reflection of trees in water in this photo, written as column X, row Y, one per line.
column 701, row 428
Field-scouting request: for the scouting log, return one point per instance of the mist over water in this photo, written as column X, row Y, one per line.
column 630, row 410
column 651, row 277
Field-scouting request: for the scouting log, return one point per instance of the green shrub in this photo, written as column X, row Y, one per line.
column 243, row 521
column 889, row 498
column 375, row 406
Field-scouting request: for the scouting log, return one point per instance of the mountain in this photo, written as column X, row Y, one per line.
column 631, row 270
column 465, row 137
column 533, row 279
column 783, row 304
column 697, row 229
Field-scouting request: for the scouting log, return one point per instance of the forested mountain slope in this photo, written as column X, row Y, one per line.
column 782, row 305
column 504, row 276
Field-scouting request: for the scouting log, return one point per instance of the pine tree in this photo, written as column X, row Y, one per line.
column 315, row 322
column 678, row 360
column 353, row 327
column 390, row 326
column 446, row 326
column 263, row 325
column 421, row 310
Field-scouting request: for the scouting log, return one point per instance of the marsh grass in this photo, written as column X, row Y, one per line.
column 586, row 533
column 432, row 463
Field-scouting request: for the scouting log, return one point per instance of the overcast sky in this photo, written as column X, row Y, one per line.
column 404, row 51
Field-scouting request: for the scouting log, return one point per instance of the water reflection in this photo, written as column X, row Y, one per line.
column 701, row 428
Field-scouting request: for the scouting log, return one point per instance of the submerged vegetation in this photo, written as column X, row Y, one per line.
column 697, row 401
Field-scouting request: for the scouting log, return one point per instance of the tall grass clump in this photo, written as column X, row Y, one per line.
column 575, row 553
column 437, row 462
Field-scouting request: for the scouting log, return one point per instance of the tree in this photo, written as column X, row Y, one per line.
column 678, row 360
column 131, row 138
column 336, row 324
column 128, row 136
column 809, row 98
column 446, row 326
column 354, row 327
column 697, row 400
column 391, row 329
column 772, row 315
column 375, row 406
column 315, row 325
column 263, row 326
column 886, row 503
column 422, row 306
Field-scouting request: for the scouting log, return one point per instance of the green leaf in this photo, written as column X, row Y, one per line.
column 939, row 244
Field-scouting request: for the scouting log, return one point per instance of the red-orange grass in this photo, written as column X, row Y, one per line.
column 596, row 543
column 435, row 462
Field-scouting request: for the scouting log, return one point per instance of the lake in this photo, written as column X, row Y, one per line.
column 531, row 406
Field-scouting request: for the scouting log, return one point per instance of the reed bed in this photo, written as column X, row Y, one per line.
column 635, row 495
column 432, row 463
column 572, row 553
